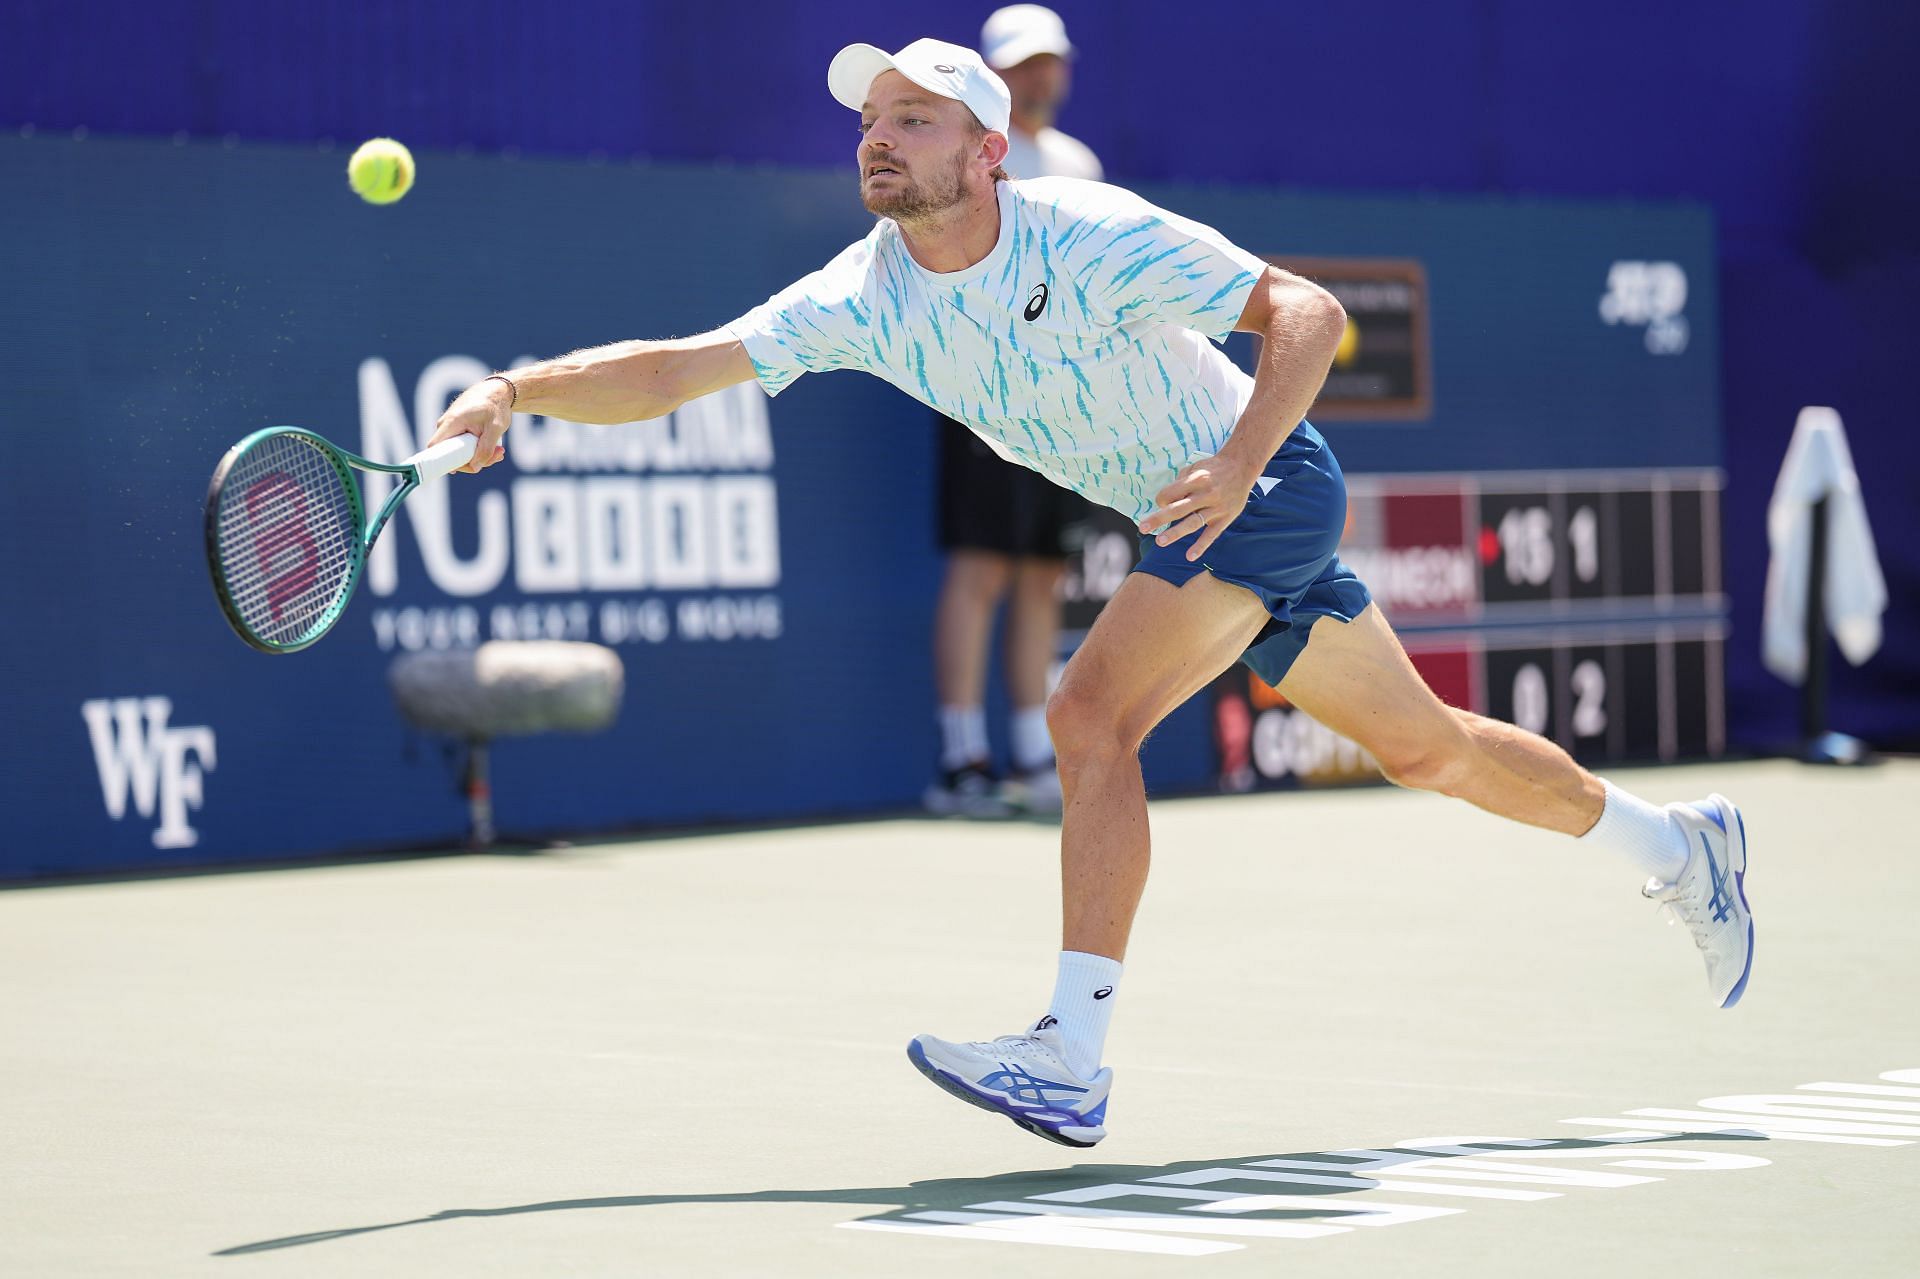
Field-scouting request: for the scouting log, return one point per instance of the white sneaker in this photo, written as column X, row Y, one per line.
column 968, row 791
column 1036, row 792
column 1023, row 1077
column 1710, row 894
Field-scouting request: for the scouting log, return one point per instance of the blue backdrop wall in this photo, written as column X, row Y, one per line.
column 1794, row 120
column 1790, row 120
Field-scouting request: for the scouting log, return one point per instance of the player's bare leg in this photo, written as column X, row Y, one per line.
column 1033, row 628
column 975, row 582
column 1032, row 643
column 1154, row 646
column 963, row 624
column 1355, row 678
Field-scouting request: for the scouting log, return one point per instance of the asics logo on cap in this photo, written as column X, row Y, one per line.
column 949, row 70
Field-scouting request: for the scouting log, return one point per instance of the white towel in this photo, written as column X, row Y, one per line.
column 1818, row 464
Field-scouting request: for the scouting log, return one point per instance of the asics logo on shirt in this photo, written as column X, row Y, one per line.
column 1037, row 302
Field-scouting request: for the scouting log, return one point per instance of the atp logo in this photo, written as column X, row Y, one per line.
column 163, row 768
column 1652, row 295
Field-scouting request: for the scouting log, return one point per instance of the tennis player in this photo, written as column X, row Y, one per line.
column 1070, row 324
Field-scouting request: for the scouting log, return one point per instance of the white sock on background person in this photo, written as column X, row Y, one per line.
column 1032, row 744
column 1083, row 997
column 1643, row 833
column 963, row 736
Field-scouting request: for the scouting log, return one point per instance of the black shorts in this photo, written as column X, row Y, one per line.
column 990, row 504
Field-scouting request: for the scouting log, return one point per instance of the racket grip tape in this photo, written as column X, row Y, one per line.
column 446, row 456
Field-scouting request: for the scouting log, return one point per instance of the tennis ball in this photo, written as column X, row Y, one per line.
column 1349, row 349
column 381, row 171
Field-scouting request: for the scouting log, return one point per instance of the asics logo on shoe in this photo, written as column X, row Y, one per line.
column 1103, row 992
column 1019, row 1086
column 1722, row 900
column 1045, row 1022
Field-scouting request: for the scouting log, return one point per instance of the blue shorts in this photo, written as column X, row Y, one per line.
column 1282, row 548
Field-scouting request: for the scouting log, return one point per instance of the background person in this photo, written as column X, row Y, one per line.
column 1005, row 529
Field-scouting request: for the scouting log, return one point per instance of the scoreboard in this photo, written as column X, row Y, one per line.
column 1586, row 606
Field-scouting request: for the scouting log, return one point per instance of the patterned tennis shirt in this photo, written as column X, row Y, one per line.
column 1078, row 347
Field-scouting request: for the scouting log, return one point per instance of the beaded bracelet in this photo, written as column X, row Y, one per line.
column 513, row 390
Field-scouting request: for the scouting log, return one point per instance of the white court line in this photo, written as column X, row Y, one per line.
column 1324, row 1080
column 1205, row 1072
column 758, row 1040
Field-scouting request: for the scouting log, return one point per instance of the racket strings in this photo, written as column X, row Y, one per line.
column 289, row 538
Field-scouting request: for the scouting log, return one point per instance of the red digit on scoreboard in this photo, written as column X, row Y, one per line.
column 277, row 514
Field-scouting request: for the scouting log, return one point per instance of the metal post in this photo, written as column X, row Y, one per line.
column 479, row 796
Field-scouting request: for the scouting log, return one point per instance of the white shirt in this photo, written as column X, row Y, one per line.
column 1077, row 347
column 1050, row 154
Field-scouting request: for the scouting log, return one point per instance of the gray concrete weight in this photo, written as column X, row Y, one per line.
column 507, row 688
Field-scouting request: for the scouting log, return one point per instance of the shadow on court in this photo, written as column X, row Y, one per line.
column 954, row 1194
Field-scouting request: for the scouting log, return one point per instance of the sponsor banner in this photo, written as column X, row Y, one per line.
column 1410, row 550
column 661, row 532
column 149, row 769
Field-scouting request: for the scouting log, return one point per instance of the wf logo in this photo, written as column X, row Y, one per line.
column 137, row 754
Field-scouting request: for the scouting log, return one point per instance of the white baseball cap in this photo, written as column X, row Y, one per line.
column 936, row 66
column 1021, row 31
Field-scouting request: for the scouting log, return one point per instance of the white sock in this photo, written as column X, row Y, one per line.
column 963, row 735
column 1032, row 744
column 1645, row 835
column 1083, row 998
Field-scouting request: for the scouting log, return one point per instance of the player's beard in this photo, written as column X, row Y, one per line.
column 918, row 201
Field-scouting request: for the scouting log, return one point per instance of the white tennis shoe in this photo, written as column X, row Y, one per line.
column 968, row 791
column 1709, row 895
column 1036, row 792
column 1024, row 1077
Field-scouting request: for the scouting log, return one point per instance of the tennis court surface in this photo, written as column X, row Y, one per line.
column 1363, row 1032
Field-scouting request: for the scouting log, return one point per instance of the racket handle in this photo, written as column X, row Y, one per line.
column 447, row 455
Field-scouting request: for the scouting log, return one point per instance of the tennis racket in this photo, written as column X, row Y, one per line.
column 288, row 534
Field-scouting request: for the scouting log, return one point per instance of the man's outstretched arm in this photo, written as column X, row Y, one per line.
column 623, row 382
